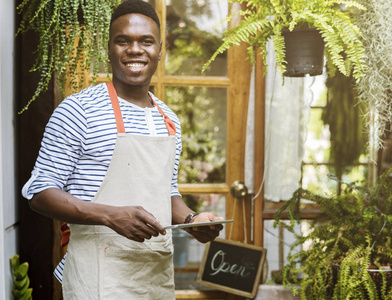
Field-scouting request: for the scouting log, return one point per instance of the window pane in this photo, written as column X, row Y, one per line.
column 357, row 174
column 191, row 37
column 277, row 241
column 322, row 180
column 206, row 202
column 317, row 144
column 202, row 112
column 315, row 179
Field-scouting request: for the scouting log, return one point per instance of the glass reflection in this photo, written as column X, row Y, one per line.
column 192, row 37
column 202, row 112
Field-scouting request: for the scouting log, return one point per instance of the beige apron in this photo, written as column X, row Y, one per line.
column 100, row 263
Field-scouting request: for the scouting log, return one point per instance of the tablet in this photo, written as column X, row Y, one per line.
column 198, row 224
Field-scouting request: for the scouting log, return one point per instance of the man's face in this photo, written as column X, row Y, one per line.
column 134, row 49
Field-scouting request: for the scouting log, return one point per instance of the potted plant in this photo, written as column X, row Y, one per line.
column 72, row 37
column 351, row 245
column 269, row 19
column 21, row 280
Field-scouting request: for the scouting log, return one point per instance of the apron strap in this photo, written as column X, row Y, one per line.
column 170, row 126
column 116, row 107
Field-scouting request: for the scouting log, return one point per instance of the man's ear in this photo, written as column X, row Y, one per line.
column 160, row 50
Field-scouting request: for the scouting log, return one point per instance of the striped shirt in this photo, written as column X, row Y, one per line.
column 79, row 141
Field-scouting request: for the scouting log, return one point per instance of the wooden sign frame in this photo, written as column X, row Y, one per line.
column 240, row 275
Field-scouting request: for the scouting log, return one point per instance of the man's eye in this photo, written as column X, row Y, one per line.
column 147, row 42
column 122, row 42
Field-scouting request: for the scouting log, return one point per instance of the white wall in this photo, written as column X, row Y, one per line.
column 8, row 216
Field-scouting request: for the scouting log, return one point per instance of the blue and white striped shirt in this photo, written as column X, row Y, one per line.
column 79, row 141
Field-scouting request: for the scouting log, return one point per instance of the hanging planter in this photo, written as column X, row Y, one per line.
column 263, row 21
column 304, row 52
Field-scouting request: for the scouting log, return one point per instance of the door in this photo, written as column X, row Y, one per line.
column 212, row 108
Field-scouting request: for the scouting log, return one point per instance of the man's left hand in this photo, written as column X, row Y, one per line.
column 207, row 233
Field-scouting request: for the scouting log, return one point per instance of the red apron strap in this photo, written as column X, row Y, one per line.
column 65, row 234
column 170, row 126
column 116, row 107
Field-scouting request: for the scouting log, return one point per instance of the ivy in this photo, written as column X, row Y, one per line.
column 73, row 36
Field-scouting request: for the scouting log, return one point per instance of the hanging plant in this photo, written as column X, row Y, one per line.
column 375, row 88
column 344, row 116
column 73, row 36
column 267, row 19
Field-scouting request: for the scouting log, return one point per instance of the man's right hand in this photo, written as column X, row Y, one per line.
column 134, row 222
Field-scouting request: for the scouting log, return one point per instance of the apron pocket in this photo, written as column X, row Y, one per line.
column 130, row 274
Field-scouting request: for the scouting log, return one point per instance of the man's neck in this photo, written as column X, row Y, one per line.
column 137, row 95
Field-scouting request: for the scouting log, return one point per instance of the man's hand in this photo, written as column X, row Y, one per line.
column 135, row 223
column 205, row 234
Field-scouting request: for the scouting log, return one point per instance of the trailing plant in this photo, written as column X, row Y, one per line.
column 352, row 235
column 375, row 88
column 344, row 115
column 21, row 279
column 266, row 19
column 73, row 36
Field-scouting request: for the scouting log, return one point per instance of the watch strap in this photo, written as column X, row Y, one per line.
column 189, row 217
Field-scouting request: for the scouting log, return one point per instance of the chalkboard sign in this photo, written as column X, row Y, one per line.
column 232, row 267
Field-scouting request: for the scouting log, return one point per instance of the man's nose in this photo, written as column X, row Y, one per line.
column 134, row 48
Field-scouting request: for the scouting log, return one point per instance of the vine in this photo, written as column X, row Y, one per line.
column 73, row 36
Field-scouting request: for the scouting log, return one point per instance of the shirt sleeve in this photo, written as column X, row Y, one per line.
column 174, row 186
column 62, row 145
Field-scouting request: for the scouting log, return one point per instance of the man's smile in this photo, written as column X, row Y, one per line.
column 135, row 66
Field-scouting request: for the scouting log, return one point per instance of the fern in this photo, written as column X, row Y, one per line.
column 264, row 20
column 354, row 232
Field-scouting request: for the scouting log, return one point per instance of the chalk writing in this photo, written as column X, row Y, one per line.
column 218, row 264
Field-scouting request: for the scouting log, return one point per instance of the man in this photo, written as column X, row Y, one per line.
column 108, row 167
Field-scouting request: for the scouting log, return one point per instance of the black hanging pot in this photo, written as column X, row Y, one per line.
column 304, row 52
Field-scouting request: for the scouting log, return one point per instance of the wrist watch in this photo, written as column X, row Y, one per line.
column 189, row 217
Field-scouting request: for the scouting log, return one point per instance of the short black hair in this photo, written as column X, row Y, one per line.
column 135, row 7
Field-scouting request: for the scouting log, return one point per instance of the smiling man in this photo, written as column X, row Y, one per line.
column 108, row 167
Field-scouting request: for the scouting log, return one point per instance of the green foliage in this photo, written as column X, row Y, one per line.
column 21, row 279
column 375, row 88
column 353, row 234
column 266, row 19
column 62, row 26
column 343, row 114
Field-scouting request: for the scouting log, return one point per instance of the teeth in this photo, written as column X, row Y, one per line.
column 135, row 65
